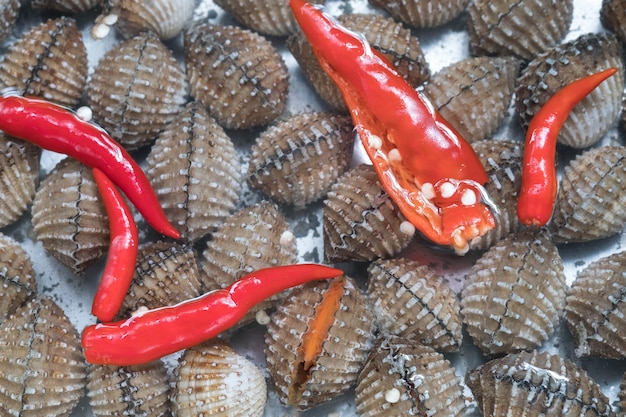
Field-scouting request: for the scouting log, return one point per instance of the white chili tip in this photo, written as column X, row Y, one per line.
column 407, row 228
column 262, row 318
column 468, row 198
column 84, row 113
column 287, row 238
column 392, row 396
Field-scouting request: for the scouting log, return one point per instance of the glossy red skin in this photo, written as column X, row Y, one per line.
column 122, row 257
column 159, row 332
column 539, row 179
column 60, row 130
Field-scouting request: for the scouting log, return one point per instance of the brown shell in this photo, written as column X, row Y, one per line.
column 166, row 274
column 237, row 74
column 519, row 28
column 529, row 384
column 10, row 11
column 613, row 17
column 360, row 221
column 64, row 6
column 298, row 159
column 595, row 309
column 136, row 89
column 19, row 177
column 42, row 369
column 621, row 397
column 474, row 94
column 213, row 379
column 139, row 390
column 331, row 320
column 424, row 382
column 502, row 160
column 18, row 283
column 557, row 67
column 48, row 61
column 515, row 294
column 69, row 218
column 422, row 13
column 402, row 49
column 592, row 196
column 413, row 302
column 196, row 172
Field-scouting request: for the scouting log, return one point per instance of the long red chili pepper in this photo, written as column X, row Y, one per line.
column 122, row 258
column 58, row 129
column 539, row 178
column 426, row 167
column 155, row 333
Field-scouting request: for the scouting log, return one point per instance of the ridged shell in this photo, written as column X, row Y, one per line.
column 502, row 160
column 592, row 196
column 213, row 379
column 422, row 380
column 8, row 17
column 268, row 17
column 237, row 74
column 64, row 6
column 621, row 397
column 332, row 321
column 474, row 94
column 136, row 89
column 613, row 17
column 595, row 308
column 413, row 302
column 49, row 61
column 360, row 221
column 196, row 172
column 42, row 369
column 559, row 66
column 298, row 159
column 166, row 274
column 139, row 390
column 402, row 49
column 19, row 177
column 521, row 28
column 530, row 384
column 515, row 294
column 18, row 283
column 422, row 13
column 69, row 218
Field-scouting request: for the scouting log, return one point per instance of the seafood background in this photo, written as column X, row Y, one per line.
column 442, row 46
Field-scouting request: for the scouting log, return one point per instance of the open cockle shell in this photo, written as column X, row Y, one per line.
column 401, row 378
column 213, row 379
column 10, row 10
column 422, row 13
column 18, row 283
column 613, row 17
column 298, row 159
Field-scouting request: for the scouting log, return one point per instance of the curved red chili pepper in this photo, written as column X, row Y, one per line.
column 427, row 168
column 539, row 179
column 155, row 333
column 122, row 258
column 58, row 129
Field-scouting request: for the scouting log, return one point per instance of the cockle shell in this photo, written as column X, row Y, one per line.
column 49, row 61
column 592, row 196
column 213, row 379
column 621, row 397
column 42, row 368
column 515, row 294
column 412, row 301
column 10, row 11
column 17, row 277
column 401, row 378
column 360, row 221
column 64, row 6
column 196, row 172
column 422, row 13
column 517, row 28
column 297, row 160
column 595, row 308
column 136, row 89
column 69, row 217
column 474, row 94
column 557, row 67
column 529, row 384
column 237, row 74
column 613, row 17
column 317, row 341
column 19, row 177
column 138, row 390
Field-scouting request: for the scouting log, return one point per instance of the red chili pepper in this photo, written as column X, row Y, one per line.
column 58, row 129
column 122, row 258
column 155, row 333
column 539, row 179
column 427, row 168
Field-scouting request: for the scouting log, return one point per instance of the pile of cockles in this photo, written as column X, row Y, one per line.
column 188, row 175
